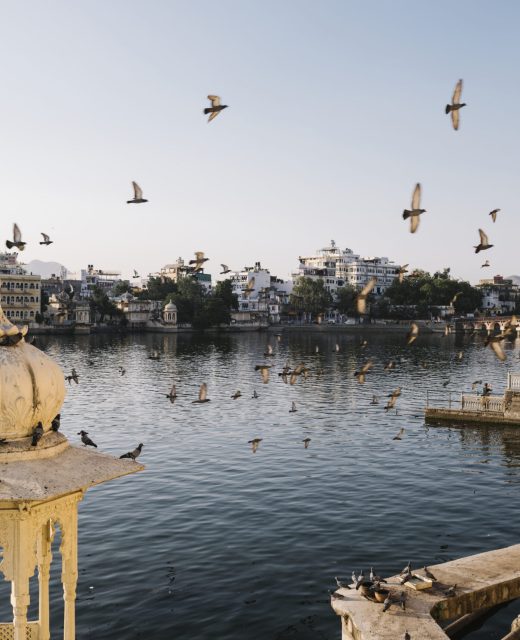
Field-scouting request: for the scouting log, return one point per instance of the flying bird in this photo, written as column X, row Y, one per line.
column 475, row 384
column 306, row 444
column 484, row 242
column 136, row 275
column 46, row 239
column 416, row 210
column 486, row 264
column 73, row 376
column 250, row 287
column 455, row 105
column 389, row 365
column 455, row 298
column 138, row 195
column 203, row 394
column 17, row 239
column 133, row 454
column 215, row 108
column 336, row 348
column 254, row 443
column 361, row 374
column 86, row 440
column 393, row 399
column 236, row 395
column 400, row 435
column 225, row 269
column 264, row 371
column 361, row 300
column 37, row 434
column 200, row 259
column 401, row 271
column 269, row 351
column 412, row 334
column 493, row 214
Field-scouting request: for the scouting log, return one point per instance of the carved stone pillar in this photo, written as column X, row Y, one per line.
column 44, row 555
column 69, row 571
column 22, row 554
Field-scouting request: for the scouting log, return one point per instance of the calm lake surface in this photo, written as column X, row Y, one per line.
column 213, row 541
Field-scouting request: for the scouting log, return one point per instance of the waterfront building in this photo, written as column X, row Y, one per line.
column 170, row 314
column 499, row 294
column 19, row 291
column 138, row 312
column 180, row 269
column 101, row 278
column 261, row 296
column 339, row 267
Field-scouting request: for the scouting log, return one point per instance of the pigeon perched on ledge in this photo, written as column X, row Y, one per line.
column 37, row 434
column 133, row 454
column 86, row 440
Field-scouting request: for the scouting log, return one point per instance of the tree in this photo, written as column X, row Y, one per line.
column 102, row 306
column 310, row 296
column 346, row 299
column 224, row 291
column 158, row 288
column 188, row 298
column 123, row 286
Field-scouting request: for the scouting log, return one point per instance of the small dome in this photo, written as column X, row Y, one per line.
column 32, row 385
column 170, row 307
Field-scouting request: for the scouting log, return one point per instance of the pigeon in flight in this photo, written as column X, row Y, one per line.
column 264, row 371
column 254, row 443
column 493, row 214
column 361, row 374
column 486, row 264
column 455, row 105
column 269, row 351
column 401, row 271
column 237, row 394
column 393, row 399
column 200, row 259
column 136, row 275
column 416, row 210
column 400, row 435
column 215, row 108
column 138, row 195
column 361, row 300
column 17, row 239
column 46, row 239
column 412, row 334
column 73, row 376
column 475, row 384
column 203, row 394
column 484, row 242
column 37, row 434
column 225, row 269
column 133, row 454
column 306, row 445
column 250, row 287
column 86, row 440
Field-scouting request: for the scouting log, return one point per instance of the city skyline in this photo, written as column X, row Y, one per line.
column 335, row 112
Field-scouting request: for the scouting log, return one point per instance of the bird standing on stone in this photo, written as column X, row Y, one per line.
column 395, row 598
column 450, row 591
column 407, row 569
column 361, row 300
column 416, row 210
column 374, row 577
column 429, row 574
column 341, row 585
column 138, row 195
column 215, row 108
column 86, row 440
column 484, row 242
column 133, row 454
column 493, row 214
column 17, row 239
column 46, row 239
column 203, row 394
column 455, row 105
column 37, row 434
column 55, row 424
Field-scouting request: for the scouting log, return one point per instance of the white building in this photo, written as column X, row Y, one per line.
column 92, row 278
column 339, row 267
column 19, row 291
column 260, row 295
column 179, row 269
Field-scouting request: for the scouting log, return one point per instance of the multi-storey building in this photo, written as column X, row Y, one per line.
column 20, row 291
column 92, row 278
column 339, row 267
column 499, row 294
column 179, row 269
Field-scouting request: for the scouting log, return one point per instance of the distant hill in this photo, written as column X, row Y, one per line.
column 44, row 269
column 515, row 279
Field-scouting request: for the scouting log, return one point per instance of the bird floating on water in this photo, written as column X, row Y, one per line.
column 237, row 394
column 484, row 242
column 455, row 105
column 416, row 210
column 293, row 408
column 215, row 108
column 46, row 239
column 133, row 454
column 173, row 394
column 138, row 195
column 17, row 239
column 86, row 440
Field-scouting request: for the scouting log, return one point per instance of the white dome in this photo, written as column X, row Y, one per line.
column 170, row 307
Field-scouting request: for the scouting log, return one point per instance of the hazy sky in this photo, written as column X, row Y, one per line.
column 336, row 110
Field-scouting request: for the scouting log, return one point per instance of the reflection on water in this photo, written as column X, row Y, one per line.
column 212, row 541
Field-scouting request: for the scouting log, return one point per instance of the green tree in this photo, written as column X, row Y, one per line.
column 346, row 299
column 123, row 286
column 101, row 305
column 158, row 288
column 224, row 291
column 310, row 296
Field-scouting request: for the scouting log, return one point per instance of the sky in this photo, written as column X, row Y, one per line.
column 336, row 110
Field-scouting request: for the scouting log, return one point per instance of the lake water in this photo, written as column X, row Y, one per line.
column 214, row 541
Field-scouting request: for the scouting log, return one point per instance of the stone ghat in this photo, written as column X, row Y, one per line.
column 482, row 580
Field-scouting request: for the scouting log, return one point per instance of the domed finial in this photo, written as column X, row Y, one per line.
column 9, row 333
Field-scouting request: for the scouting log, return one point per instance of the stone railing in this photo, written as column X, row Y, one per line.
column 482, row 403
column 7, row 631
column 513, row 381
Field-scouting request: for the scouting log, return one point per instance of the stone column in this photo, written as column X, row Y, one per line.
column 69, row 571
column 23, row 563
column 44, row 555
